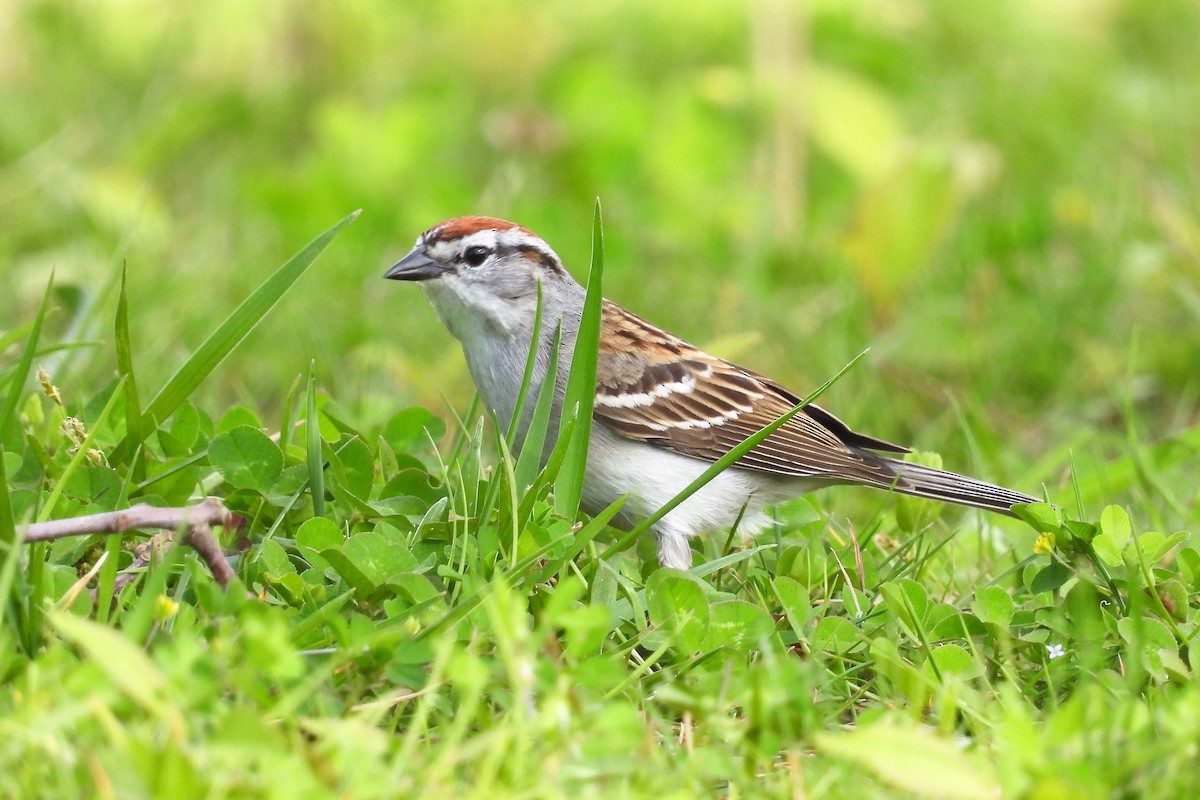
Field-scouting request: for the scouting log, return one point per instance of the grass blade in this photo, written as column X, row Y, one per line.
column 581, row 385
column 514, row 424
column 539, row 423
column 8, row 414
column 133, row 407
column 8, row 528
column 8, row 540
column 47, row 508
column 235, row 328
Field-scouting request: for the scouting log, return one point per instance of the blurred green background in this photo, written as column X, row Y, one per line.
column 1001, row 199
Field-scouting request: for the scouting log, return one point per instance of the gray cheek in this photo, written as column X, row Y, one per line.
column 513, row 287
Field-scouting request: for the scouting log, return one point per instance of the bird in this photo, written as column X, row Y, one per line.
column 664, row 409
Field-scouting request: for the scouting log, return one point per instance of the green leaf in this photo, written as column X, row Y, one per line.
column 1114, row 523
column 234, row 329
column 914, row 759
column 237, row 416
column 357, row 467
column 1041, row 516
column 1174, row 597
column 1155, row 545
column 796, row 602
column 835, row 635
column 1083, row 531
column 1189, row 560
column 413, row 483
column 378, row 557
column 676, row 603
column 12, row 461
column 737, row 625
column 906, row 599
column 274, row 559
column 319, row 533
column 1050, row 578
column 246, row 458
column 1115, row 529
column 94, row 484
column 993, row 605
column 580, row 393
column 409, row 429
column 1146, row 633
column 953, row 659
column 349, row 572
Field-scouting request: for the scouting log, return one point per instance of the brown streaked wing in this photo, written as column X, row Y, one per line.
column 658, row 388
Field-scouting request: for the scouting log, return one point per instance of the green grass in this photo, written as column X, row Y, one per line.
column 999, row 200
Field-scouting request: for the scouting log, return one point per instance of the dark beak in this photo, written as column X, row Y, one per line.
column 416, row 266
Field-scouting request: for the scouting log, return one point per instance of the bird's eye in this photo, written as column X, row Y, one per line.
column 474, row 256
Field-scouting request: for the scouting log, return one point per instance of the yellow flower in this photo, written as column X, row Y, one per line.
column 165, row 608
column 1044, row 545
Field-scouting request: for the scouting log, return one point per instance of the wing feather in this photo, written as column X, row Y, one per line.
column 671, row 394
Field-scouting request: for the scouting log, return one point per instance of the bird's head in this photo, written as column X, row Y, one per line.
column 482, row 274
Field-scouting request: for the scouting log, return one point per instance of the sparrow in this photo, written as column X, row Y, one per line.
column 664, row 409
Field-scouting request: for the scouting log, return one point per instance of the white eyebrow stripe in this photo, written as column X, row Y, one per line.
column 489, row 239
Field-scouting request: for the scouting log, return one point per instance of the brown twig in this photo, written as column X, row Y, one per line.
column 196, row 521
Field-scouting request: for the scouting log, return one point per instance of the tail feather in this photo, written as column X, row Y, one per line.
column 949, row 487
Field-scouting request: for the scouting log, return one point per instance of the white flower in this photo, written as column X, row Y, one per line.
column 1054, row 651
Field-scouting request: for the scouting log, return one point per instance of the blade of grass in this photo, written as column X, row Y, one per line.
column 35, row 610
column 8, row 528
column 584, row 537
column 581, row 384
column 8, row 539
column 289, row 408
column 316, row 462
column 107, row 579
column 709, row 567
column 80, row 454
column 514, row 424
column 133, row 407
column 535, row 437
column 544, row 481
column 506, row 467
column 727, row 460
column 14, row 335
column 234, row 329
column 522, row 468
column 18, row 378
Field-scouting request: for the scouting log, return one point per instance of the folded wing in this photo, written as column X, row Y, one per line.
column 657, row 388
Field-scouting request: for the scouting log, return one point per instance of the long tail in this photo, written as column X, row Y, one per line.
column 950, row 487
